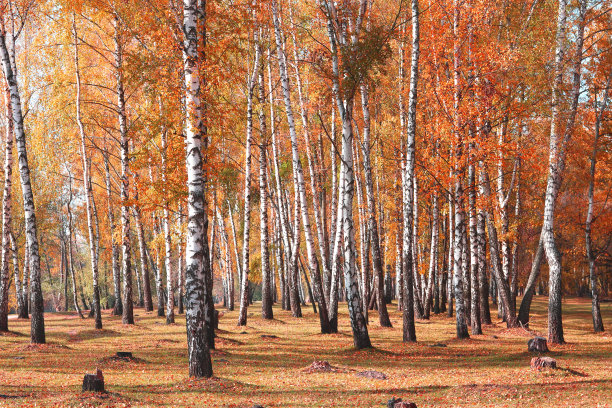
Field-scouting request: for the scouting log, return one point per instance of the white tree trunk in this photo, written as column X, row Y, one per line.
column 458, row 172
column 26, row 260
column 167, row 234
column 197, row 263
column 6, row 219
column 474, row 259
column 433, row 256
column 377, row 261
column 87, row 187
column 180, row 268
column 409, row 333
column 595, row 308
column 266, row 269
column 244, row 282
column 299, row 184
column 128, row 305
column 37, row 334
column 556, row 164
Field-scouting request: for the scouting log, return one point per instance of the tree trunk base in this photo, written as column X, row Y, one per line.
column 93, row 382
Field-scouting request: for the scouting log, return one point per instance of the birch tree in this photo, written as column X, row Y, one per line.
column 116, row 269
column 556, row 162
column 339, row 37
column 458, row 173
column 37, row 334
column 590, row 252
column 299, row 184
column 409, row 332
column 87, row 185
column 244, row 282
column 266, row 271
column 197, row 265
column 128, row 305
column 6, row 219
column 167, row 234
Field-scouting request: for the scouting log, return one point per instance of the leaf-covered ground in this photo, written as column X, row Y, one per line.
column 488, row 370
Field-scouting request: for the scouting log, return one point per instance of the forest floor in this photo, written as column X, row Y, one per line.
column 250, row 368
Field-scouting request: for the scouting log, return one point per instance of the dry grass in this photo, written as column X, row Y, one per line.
column 488, row 370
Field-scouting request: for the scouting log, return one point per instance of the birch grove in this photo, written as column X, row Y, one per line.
column 355, row 162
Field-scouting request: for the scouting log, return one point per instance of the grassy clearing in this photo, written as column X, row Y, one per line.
column 488, row 370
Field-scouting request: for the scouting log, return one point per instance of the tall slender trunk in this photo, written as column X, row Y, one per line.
column 144, row 261
column 87, row 186
column 314, row 186
column 458, row 174
column 450, row 263
column 514, row 271
column 282, row 216
column 25, row 283
column 139, row 287
column 556, row 164
column 364, row 241
column 475, row 319
column 339, row 37
column 118, row 306
column 228, row 261
column 530, row 287
column 416, row 276
column 6, row 218
column 235, row 244
column 377, row 261
column 180, row 269
column 159, row 283
column 244, row 282
column 433, row 257
column 460, row 299
column 128, row 305
column 70, row 251
column 21, row 283
column 501, row 284
column 333, row 224
column 595, row 309
column 483, row 283
column 37, row 334
column 335, row 258
column 409, row 333
column 197, row 262
column 167, row 233
column 266, row 270
column 295, row 282
column 502, row 204
column 313, row 263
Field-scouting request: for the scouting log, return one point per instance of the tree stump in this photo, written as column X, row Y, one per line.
column 398, row 403
column 405, row 404
column 537, row 363
column 125, row 355
column 94, row 382
column 537, row 345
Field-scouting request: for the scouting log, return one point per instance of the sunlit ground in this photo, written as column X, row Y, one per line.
column 488, row 370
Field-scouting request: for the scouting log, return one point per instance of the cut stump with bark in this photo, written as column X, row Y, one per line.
column 537, row 345
column 398, row 403
column 125, row 354
column 537, row 363
column 405, row 404
column 94, row 382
